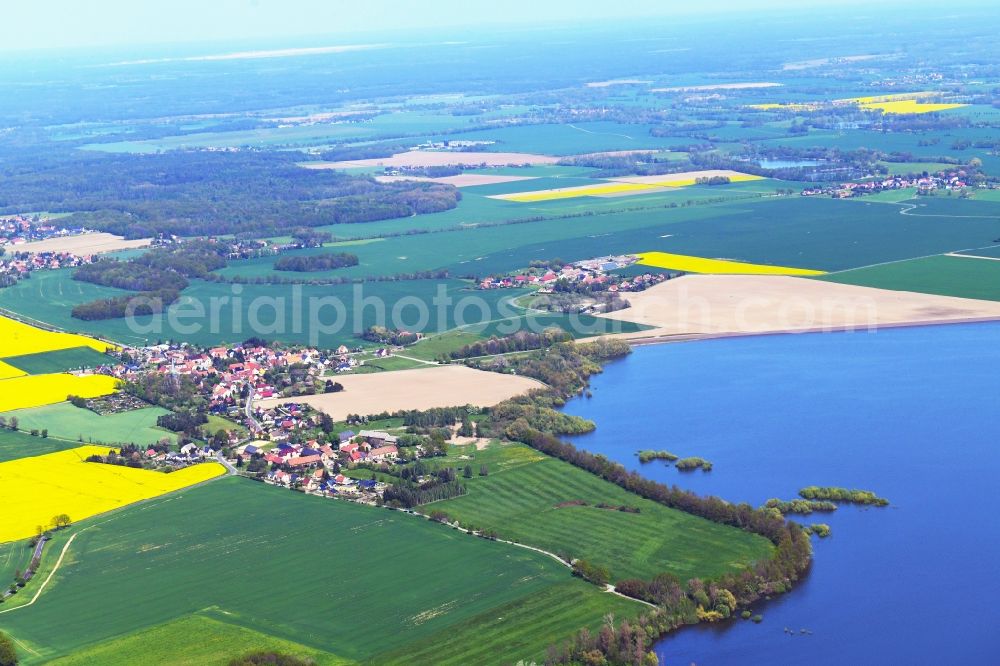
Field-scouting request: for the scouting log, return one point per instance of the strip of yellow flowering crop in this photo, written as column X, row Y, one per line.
column 38, row 390
column 688, row 264
column 35, row 490
column 17, row 338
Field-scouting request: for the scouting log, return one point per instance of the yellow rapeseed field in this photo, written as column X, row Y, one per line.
column 908, row 106
column 17, row 339
column 607, row 188
column 688, row 264
column 897, row 103
column 8, row 371
column 34, row 490
column 37, row 390
column 572, row 192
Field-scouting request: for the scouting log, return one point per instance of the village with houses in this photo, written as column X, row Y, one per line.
column 595, row 275
column 20, row 229
column 952, row 180
column 290, row 444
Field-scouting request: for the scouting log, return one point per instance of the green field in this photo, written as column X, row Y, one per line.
column 527, row 497
column 51, row 296
column 14, row 558
column 217, row 423
column 430, row 348
column 82, row 425
column 14, row 445
column 905, row 168
column 822, row 234
column 171, row 643
column 61, row 360
column 390, row 363
column 944, row 275
column 361, row 583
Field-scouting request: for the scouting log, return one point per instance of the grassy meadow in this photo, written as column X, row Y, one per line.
column 171, row 643
column 534, row 499
column 82, row 425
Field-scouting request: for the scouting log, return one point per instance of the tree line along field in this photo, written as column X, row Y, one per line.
column 541, row 501
column 196, row 552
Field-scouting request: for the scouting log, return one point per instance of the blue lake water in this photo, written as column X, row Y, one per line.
column 913, row 414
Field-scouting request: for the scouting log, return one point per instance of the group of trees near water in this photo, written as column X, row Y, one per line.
column 648, row 456
column 192, row 193
column 800, row 506
column 315, row 262
column 846, row 495
column 692, row 463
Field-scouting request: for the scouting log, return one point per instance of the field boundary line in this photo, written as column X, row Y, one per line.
column 23, row 646
column 908, row 207
column 954, row 253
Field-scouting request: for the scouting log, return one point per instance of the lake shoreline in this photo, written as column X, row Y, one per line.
column 854, row 411
column 671, row 338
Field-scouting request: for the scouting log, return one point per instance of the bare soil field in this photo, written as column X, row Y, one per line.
column 719, row 86
column 461, row 180
column 696, row 306
column 83, row 244
column 423, row 388
column 427, row 158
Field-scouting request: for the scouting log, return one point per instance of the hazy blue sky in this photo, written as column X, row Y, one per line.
column 71, row 23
